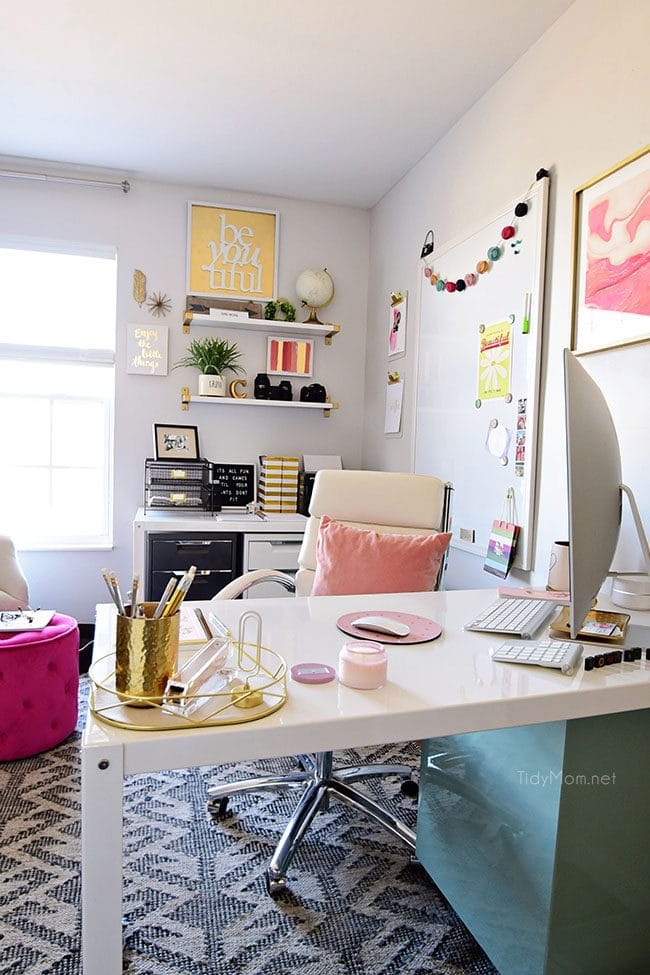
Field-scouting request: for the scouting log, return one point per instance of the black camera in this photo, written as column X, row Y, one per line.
column 262, row 386
column 281, row 392
column 314, row 393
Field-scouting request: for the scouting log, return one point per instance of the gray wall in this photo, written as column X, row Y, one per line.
column 148, row 228
column 575, row 103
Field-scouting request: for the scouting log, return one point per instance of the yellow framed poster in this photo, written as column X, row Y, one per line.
column 232, row 252
column 494, row 361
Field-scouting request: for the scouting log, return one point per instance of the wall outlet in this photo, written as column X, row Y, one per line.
column 467, row 535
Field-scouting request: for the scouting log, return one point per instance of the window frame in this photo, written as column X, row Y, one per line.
column 75, row 356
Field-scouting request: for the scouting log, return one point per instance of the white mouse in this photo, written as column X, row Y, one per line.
column 380, row 624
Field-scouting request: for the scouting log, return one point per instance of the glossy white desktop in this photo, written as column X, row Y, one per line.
column 446, row 687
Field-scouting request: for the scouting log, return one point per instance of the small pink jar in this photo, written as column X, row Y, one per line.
column 363, row 664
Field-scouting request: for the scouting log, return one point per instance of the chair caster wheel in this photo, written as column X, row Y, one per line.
column 218, row 808
column 410, row 789
column 275, row 885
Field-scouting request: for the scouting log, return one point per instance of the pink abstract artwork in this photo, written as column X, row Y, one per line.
column 618, row 249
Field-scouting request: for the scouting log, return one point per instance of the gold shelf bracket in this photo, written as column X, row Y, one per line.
column 335, row 329
column 185, row 398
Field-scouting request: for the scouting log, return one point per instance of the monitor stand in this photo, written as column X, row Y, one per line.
column 632, row 590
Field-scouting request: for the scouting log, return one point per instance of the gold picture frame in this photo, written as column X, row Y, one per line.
column 610, row 304
column 232, row 252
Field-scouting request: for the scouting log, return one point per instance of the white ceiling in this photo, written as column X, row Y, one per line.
column 331, row 101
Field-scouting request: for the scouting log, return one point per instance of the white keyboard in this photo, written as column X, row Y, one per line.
column 519, row 617
column 546, row 653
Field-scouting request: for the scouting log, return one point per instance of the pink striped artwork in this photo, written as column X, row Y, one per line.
column 289, row 357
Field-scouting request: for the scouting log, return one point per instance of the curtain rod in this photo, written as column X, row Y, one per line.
column 124, row 185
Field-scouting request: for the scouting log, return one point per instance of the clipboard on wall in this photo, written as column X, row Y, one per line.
column 394, row 402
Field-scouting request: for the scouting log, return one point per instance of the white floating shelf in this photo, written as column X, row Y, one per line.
column 186, row 399
column 302, row 329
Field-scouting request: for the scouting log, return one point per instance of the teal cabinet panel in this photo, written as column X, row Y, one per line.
column 487, row 824
column 539, row 838
column 600, row 910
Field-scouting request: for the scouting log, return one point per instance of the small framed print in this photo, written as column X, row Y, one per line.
column 397, row 324
column 175, row 442
column 289, row 357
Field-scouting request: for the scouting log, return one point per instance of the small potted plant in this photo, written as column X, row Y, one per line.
column 212, row 357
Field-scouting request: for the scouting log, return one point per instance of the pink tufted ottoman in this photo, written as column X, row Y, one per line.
column 39, row 680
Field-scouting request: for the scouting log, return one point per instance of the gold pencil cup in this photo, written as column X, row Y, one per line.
column 146, row 656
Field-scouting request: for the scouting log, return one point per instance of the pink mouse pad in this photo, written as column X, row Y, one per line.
column 421, row 629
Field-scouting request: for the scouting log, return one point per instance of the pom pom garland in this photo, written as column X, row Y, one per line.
column 494, row 253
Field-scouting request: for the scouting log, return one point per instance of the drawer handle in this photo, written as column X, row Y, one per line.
column 190, row 545
column 179, row 573
column 285, row 541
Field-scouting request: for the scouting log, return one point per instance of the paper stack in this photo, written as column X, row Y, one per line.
column 278, row 487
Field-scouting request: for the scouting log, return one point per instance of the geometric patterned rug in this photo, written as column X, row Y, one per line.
column 195, row 901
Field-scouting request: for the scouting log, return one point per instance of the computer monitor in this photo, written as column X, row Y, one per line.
column 595, row 489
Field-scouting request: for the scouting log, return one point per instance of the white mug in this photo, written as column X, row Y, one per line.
column 558, row 570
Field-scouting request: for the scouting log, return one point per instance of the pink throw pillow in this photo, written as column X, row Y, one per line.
column 353, row 561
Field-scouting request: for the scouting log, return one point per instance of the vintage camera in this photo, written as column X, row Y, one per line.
column 314, row 393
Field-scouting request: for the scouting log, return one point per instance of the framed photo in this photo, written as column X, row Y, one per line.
column 397, row 324
column 611, row 257
column 232, row 252
column 175, row 442
column 289, row 357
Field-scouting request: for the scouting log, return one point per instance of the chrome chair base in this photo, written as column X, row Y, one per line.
column 319, row 783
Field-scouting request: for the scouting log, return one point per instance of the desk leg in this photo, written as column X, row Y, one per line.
column 101, row 860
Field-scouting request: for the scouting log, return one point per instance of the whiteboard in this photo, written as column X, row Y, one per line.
column 469, row 425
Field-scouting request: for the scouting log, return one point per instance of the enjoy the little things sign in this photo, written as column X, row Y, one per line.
column 146, row 349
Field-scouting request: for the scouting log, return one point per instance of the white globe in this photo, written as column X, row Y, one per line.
column 315, row 287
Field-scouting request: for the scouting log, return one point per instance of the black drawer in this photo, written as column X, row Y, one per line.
column 207, row 583
column 216, row 555
column 204, row 551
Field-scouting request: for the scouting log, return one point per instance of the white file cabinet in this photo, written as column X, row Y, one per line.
column 271, row 551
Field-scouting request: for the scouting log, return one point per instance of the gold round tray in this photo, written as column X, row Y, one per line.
column 232, row 704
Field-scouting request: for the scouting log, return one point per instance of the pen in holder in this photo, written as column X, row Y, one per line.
column 146, row 656
column 243, row 694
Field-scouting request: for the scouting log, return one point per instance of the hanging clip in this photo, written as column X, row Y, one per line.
column 427, row 246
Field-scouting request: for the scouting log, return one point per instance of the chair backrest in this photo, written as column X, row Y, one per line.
column 14, row 593
column 383, row 501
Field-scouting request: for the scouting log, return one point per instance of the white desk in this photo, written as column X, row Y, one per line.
column 445, row 687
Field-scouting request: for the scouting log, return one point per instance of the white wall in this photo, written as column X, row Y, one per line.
column 575, row 103
column 148, row 228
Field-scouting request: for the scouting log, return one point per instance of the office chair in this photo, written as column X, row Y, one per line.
column 413, row 504
column 14, row 591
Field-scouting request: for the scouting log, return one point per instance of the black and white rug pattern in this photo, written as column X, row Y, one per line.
column 195, row 901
